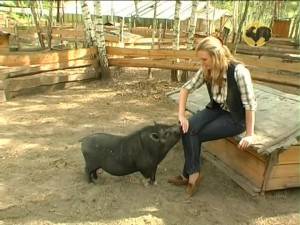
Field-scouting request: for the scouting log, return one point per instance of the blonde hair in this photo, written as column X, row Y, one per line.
column 221, row 58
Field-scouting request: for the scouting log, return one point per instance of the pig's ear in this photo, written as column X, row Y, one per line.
column 154, row 137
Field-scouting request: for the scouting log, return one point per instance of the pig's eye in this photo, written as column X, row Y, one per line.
column 154, row 136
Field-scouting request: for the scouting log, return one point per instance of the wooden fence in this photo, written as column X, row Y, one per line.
column 124, row 57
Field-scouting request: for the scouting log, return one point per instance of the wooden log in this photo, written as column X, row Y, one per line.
column 26, row 59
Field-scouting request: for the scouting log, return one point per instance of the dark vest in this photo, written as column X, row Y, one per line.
column 233, row 100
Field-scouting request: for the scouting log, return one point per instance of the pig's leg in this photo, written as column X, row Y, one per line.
column 89, row 175
column 152, row 176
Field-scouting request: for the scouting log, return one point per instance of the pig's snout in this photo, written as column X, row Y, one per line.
column 176, row 130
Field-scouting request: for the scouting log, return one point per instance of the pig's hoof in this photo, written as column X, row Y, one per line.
column 151, row 182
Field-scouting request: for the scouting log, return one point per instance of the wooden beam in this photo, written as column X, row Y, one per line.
column 291, row 80
column 34, row 58
column 34, row 69
column 49, row 78
column 152, row 53
column 152, row 63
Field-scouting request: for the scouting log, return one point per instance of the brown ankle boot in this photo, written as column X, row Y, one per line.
column 193, row 188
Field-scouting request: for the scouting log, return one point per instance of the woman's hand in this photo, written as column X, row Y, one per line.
column 184, row 123
column 245, row 142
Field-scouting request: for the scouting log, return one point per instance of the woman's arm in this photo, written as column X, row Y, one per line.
column 248, row 139
column 181, row 109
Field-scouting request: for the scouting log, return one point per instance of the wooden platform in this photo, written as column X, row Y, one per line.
column 273, row 161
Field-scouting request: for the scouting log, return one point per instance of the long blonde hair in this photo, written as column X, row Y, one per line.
column 221, row 58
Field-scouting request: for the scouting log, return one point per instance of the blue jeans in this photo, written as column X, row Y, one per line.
column 206, row 125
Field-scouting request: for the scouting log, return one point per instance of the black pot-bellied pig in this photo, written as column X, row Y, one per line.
column 140, row 151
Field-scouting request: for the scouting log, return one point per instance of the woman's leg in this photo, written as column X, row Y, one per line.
column 221, row 126
column 190, row 140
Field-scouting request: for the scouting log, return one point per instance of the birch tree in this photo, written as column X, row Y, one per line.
column 235, row 19
column 49, row 25
column 100, row 41
column 191, row 34
column 88, row 24
column 136, row 6
column 192, row 28
column 37, row 23
column 154, row 25
column 238, row 36
column 176, row 34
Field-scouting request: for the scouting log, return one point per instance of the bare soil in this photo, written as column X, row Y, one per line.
column 42, row 178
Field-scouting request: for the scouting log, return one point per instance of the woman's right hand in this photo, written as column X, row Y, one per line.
column 184, row 124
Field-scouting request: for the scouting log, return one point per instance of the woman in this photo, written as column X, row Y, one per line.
column 231, row 109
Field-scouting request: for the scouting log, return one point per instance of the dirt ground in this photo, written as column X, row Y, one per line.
column 42, row 178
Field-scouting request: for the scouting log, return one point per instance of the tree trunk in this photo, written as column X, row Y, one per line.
column 297, row 41
column 160, row 35
column 235, row 19
column 261, row 10
column 76, row 24
column 150, row 76
column 192, row 28
column 240, row 27
column 207, row 20
column 49, row 27
column 100, row 41
column 191, row 35
column 176, row 34
column 88, row 25
column 294, row 25
column 58, row 11
column 297, row 31
column 136, row 8
column 37, row 25
column 121, row 35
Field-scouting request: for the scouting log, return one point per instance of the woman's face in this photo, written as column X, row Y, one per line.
column 205, row 59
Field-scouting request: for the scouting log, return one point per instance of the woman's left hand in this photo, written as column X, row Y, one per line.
column 245, row 142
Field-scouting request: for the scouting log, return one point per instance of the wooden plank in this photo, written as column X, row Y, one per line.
column 163, row 64
column 242, row 162
column 239, row 179
column 35, row 58
column 291, row 155
column 282, row 183
column 286, row 170
column 152, row 53
column 33, row 69
column 49, row 78
column 291, row 80
column 2, row 96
